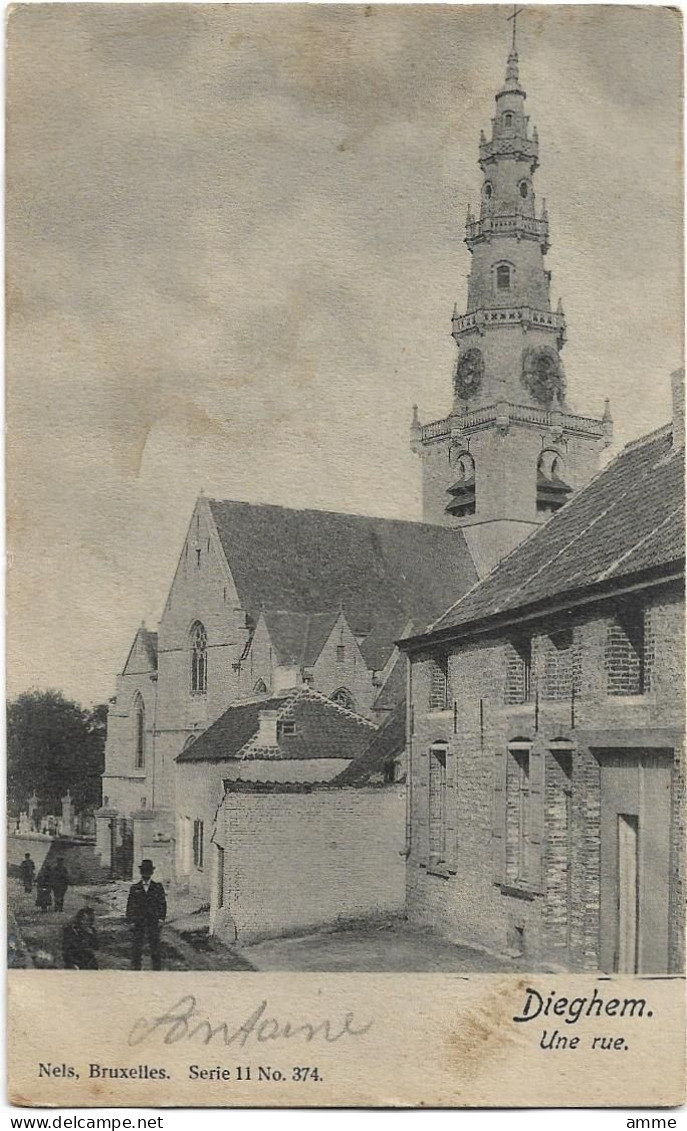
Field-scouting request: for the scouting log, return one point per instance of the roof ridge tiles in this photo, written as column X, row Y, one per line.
column 311, row 693
column 607, row 573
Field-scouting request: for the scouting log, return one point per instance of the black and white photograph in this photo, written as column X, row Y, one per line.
column 345, row 496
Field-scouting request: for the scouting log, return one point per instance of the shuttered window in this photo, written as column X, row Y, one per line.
column 517, row 833
column 437, row 805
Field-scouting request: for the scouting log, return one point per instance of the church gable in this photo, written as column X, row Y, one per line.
column 203, row 588
column 142, row 658
column 340, row 671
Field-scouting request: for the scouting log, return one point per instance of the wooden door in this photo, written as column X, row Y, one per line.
column 634, row 860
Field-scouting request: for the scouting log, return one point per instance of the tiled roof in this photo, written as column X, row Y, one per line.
column 395, row 687
column 629, row 519
column 381, row 572
column 322, row 730
column 298, row 638
column 388, row 743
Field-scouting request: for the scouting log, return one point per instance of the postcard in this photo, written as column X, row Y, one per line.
column 346, row 555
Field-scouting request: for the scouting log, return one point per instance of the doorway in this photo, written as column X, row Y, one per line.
column 635, row 860
column 628, row 893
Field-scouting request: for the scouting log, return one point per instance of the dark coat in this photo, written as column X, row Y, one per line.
column 59, row 879
column 146, row 908
column 27, row 869
column 79, row 942
column 44, row 887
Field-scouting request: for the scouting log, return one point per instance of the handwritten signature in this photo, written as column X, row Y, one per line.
column 184, row 1022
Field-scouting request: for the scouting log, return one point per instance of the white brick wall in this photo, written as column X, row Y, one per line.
column 297, row 861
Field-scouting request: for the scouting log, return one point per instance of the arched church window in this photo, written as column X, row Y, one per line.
column 199, row 659
column 488, row 190
column 524, row 189
column 260, row 688
column 508, row 120
column 552, row 490
column 343, row 698
column 503, row 277
column 139, row 732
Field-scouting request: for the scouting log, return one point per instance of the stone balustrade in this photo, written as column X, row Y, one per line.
column 496, row 318
column 508, row 225
column 522, row 414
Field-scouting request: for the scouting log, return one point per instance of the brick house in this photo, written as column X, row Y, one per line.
column 546, row 773
column 300, row 840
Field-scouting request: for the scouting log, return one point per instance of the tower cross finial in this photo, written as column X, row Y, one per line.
column 514, row 18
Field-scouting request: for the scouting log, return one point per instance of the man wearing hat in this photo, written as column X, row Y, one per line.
column 146, row 911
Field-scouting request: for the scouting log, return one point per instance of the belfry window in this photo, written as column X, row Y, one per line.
column 552, row 490
column 508, row 120
column 199, row 659
column 462, row 501
column 503, row 277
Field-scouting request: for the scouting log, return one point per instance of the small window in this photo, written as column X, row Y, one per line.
column 524, row 190
column 198, row 837
column 288, row 726
column 626, row 651
column 508, row 120
column 518, row 815
column 488, row 190
column 260, row 688
column 439, row 693
column 340, row 653
column 503, row 273
column 519, row 671
column 343, row 698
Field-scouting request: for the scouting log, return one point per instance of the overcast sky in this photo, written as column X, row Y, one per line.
column 234, row 245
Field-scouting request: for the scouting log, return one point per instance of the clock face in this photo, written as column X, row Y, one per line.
column 469, row 374
column 542, row 375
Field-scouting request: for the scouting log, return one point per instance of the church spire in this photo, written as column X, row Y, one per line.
column 486, row 464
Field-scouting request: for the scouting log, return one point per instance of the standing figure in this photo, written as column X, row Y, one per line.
column 80, row 942
column 60, row 883
column 27, row 870
column 44, row 887
column 146, row 911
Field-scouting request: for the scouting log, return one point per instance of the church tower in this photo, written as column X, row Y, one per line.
column 511, row 450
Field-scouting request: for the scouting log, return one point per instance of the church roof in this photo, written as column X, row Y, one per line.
column 321, row 729
column 381, row 572
column 394, row 688
column 298, row 638
column 388, row 743
column 627, row 521
column 149, row 641
column 148, row 645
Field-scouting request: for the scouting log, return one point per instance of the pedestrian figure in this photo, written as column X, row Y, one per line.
column 60, row 883
column 44, row 888
column 80, row 941
column 146, row 911
column 27, row 870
